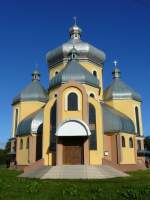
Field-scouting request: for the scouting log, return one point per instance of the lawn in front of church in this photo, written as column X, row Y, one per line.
column 137, row 186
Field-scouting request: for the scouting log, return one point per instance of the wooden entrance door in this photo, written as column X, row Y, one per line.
column 72, row 151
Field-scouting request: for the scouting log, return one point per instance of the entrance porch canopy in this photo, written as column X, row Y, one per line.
column 73, row 128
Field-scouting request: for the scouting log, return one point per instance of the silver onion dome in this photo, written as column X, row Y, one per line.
column 34, row 91
column 120, row 90
column 74, row 71
column 84, row 49
column 75, row 32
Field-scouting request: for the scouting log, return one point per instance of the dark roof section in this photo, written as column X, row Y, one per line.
column 119, row 90
column 74, row 71
column 30, row 124
column 85, row 50
column 33, row 92
column 115, row 121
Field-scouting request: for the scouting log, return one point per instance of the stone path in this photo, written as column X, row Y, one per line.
column 74, row 172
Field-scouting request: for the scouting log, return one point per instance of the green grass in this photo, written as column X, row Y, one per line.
column 137, row 186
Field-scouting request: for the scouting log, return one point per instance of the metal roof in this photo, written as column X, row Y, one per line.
column 33, row 92
column 30, row 124
column 115, row 121
column 119, row 90
column 74, row 71
column 85, row 50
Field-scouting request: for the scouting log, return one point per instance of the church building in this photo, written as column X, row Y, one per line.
column 75, row 121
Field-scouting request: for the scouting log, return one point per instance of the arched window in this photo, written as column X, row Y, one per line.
column 16, row 120
column 137, row 120
column 92, row 126
column 138, row 144
column 27, row 143
column 56, row 73
column 130, row 142
column 72, row 102
column 95, row 73
column 123, row 141
column 92, row 95
column 21, row 144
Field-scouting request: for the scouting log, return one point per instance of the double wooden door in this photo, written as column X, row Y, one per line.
column 72, row 150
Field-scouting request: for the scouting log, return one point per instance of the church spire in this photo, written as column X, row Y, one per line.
column 75, row 31
column 116, row 72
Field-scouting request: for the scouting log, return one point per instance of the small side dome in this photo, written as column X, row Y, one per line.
column 33, row 92
column 119, row 90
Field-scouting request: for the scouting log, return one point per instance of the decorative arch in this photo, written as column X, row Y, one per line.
column 73, row 125
column 84, row 99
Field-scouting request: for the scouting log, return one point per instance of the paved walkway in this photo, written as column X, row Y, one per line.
column 74, row 172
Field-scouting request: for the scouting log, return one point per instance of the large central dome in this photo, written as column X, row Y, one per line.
column 85, row 50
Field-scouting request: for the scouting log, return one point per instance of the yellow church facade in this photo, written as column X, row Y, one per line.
column 75, row 121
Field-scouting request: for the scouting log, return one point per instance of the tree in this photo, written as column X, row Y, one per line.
column 147, row 143
column 4, row 153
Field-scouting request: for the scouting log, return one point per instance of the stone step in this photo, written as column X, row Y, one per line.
column 36, row 173
column 74, row 172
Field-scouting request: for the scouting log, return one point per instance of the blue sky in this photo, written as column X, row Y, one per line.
column 29, row 28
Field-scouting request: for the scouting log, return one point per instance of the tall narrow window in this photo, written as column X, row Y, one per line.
column 92, row 126
column 137, row 120
column 72, row 102
column 27, row 143
column 138, row 144
column 53, row 127
column 130, row 142
column 16, row 120
column 95, row 73
column 123, row 141
column 21, row 144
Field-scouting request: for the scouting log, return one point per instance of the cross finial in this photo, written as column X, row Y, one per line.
column 115, row 63
column 75, row 20
column 36, row 66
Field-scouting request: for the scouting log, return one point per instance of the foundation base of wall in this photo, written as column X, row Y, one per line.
column 125, row 167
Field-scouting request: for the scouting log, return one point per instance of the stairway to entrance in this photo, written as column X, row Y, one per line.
column 74, row 172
